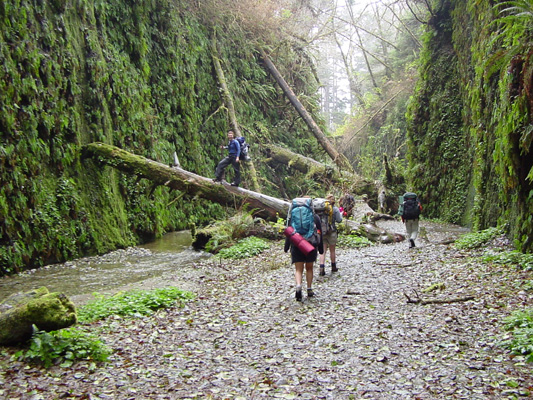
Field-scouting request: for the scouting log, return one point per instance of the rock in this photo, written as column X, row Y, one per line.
column 48, row 311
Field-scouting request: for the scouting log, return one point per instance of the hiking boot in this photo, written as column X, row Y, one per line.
column 234, row 184
column 334, row 267
column 411, row 243
column 322, row 271
column 310, row 293
column 217, row 180
column 298, row 295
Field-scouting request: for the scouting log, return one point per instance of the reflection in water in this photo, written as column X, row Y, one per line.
column 112, row 270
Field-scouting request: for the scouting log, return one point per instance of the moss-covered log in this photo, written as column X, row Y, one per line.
column 179, row 179
column 47, row 311
column 306, row 165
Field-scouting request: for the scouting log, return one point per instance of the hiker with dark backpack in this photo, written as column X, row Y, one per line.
column 307, row 224
column 410, row 210
column 234, row 151
column 329, row 215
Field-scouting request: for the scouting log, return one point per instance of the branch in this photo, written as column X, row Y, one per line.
column 418, row 300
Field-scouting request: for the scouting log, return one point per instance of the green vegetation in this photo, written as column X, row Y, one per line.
column 475, row 240
column 520, row 324
column 353, row 241
column 141, row 78
column 65, row 347
column 133, row 303
column 225, row 233
column 245, row 248
column 511, row 258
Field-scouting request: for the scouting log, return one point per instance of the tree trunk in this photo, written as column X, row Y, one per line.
column 228, row 100
column 328, row 174
column 338, row 158
column 48, row 311
column 195, row 185
column 188, row 182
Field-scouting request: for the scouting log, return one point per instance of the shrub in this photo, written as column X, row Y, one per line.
column 132, row 303
column 65, row 346
column 511, row 258
column 520, row 323
column 475, row 240
column 249, row 247
column 353, row 241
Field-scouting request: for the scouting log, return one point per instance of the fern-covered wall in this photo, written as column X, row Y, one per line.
column 137, row 75
column 470, row 120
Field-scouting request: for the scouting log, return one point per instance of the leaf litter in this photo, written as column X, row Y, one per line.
column 245, row 336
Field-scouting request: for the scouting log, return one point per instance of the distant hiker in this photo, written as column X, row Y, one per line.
column 381, row 199
column 234, row 151
column 347, row 203
column 305, row 222
column 410, row 210
column 328, row 217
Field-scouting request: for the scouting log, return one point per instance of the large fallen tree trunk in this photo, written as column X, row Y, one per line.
column 337, row 157
column 188, row 182
column 266, row 207
column 306, row 165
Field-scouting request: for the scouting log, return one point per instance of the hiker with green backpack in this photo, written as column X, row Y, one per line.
column 410, row 210
column 329, row 215
column 303, row 222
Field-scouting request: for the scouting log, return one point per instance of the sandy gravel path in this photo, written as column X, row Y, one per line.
column 245, row 337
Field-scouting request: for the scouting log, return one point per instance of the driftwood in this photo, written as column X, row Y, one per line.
column 338, row 158
column 47, row 311
column 419, row 300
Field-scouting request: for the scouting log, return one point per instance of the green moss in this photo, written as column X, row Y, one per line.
column 139, row 77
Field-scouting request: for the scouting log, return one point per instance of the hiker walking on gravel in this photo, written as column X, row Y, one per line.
column 329, row 216
column 307, row 224
column 410, row 210
column 234, row 151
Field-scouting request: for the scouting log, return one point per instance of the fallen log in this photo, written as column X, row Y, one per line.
column 419, row 300
column 47, row 311
column 179, row 179
column 266, row 207
column 317, row 170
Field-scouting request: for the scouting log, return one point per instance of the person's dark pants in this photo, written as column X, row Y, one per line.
column 222, row 166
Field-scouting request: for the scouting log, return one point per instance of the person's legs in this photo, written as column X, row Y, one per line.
column 309, row 278
column 298, row 273
column 333, row 258
column 237, row 169
column 411, row 228
column 219, row 172
column 322, row 257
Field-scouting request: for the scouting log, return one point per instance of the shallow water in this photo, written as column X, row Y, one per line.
column 102, row 274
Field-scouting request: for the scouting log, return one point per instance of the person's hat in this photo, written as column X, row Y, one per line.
column 330, row 198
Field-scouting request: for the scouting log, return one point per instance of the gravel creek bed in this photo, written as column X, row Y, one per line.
column 245, row 336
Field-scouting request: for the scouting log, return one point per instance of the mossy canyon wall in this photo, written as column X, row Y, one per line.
column 138, row 75
column 470, row 131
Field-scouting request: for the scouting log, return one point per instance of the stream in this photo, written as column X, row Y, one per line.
column 106, row 274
